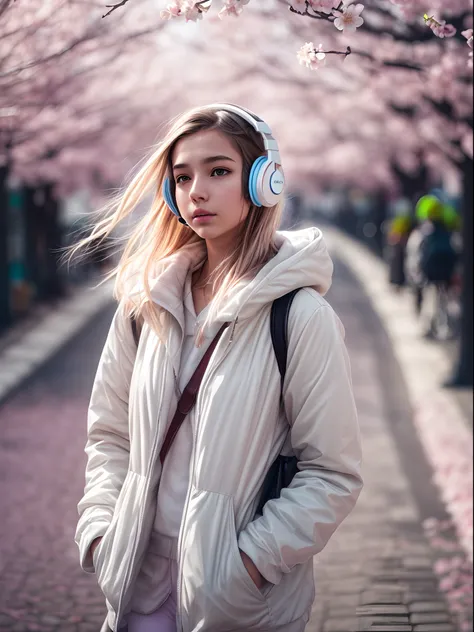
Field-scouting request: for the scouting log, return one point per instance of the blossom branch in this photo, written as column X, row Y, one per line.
column 315, row 16
column 346, row 53
column 313, row 58
column 114, row 7
column 344, row 15
column 4, row 5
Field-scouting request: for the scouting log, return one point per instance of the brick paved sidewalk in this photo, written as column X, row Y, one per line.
column 377, row 572
column 442, row 422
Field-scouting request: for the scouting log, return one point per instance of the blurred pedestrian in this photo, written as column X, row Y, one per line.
column 432, row 256
column 397, row 238
column 169, row 520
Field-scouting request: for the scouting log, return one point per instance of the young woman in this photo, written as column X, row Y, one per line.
column 179, row 545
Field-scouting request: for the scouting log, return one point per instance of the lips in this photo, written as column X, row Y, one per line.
column 202, row 213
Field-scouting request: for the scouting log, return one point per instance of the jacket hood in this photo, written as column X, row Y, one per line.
column 302, row 260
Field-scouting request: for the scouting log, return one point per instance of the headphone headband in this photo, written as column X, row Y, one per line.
column 259, row 125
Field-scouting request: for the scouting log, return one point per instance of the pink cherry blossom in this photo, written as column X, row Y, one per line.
column 323, row 6
column 172, row 11
column 233, row 8
column 190, row 10
column 349, row 18
column 469, row 36
column 311, row 57
column 442, row 29
column 447, row 583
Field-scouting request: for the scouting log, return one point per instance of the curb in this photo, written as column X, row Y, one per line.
column 443, row 430
column 21, row 358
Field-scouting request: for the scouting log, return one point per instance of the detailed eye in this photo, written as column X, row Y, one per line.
column 179, row 179
column 220, row 171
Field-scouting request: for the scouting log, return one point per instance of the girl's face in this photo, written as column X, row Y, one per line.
column 207, row 171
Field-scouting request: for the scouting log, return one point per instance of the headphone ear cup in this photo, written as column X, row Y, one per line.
column 254, row 176
column 266, row 182
column 168, row 197
column 270, row 183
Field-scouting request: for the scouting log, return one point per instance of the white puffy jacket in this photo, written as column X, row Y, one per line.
column 240, row 431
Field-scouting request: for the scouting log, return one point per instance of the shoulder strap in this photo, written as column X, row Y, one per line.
column 279, row 329
column 136, row 330
column 188, row 398
column 189, row 395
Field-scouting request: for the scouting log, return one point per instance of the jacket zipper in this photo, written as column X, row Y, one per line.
column 209, row 372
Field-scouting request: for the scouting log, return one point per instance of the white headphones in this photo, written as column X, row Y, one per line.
column 266, row 179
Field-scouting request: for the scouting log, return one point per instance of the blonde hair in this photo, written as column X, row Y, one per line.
column 159, row 235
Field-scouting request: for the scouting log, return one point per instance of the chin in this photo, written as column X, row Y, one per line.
column 209, row 232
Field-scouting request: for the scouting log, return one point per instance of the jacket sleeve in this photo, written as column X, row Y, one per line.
column 108, row 445
column 325, row 436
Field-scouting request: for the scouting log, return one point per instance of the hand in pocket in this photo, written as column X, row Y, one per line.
column 94, row 545
column 252, row 570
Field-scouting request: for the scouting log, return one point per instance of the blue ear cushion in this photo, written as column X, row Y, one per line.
column 168, row 197
column 253, row 179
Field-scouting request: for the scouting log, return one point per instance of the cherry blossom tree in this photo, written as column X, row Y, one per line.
column 68, row 91
column 389, row 107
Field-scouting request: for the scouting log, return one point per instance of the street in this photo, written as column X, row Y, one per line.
column 376, row 573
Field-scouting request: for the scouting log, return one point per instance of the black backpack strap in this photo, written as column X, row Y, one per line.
column 136, row 330
column 279, row 317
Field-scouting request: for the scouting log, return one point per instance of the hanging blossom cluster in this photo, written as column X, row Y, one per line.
column 314, row 58
column 411, row 11
column 344, row 14
column 439, row 27
column 192, row 11
column 346, row 17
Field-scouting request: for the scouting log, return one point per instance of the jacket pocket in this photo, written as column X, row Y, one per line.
column 216, row 590
column 96, row 559
column 112, row 558
column 262, row 593
column 293, row 597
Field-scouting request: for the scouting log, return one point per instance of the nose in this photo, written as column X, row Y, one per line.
column 198, row 190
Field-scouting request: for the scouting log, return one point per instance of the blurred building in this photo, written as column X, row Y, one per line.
column 36, row 224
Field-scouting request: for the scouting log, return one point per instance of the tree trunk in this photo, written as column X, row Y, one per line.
column 379, row 217
column 54, row 284
column 5, row 314
column 463, row 370
column 34, row 241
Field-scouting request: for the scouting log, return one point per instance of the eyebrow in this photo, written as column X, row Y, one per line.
column 206, row 161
